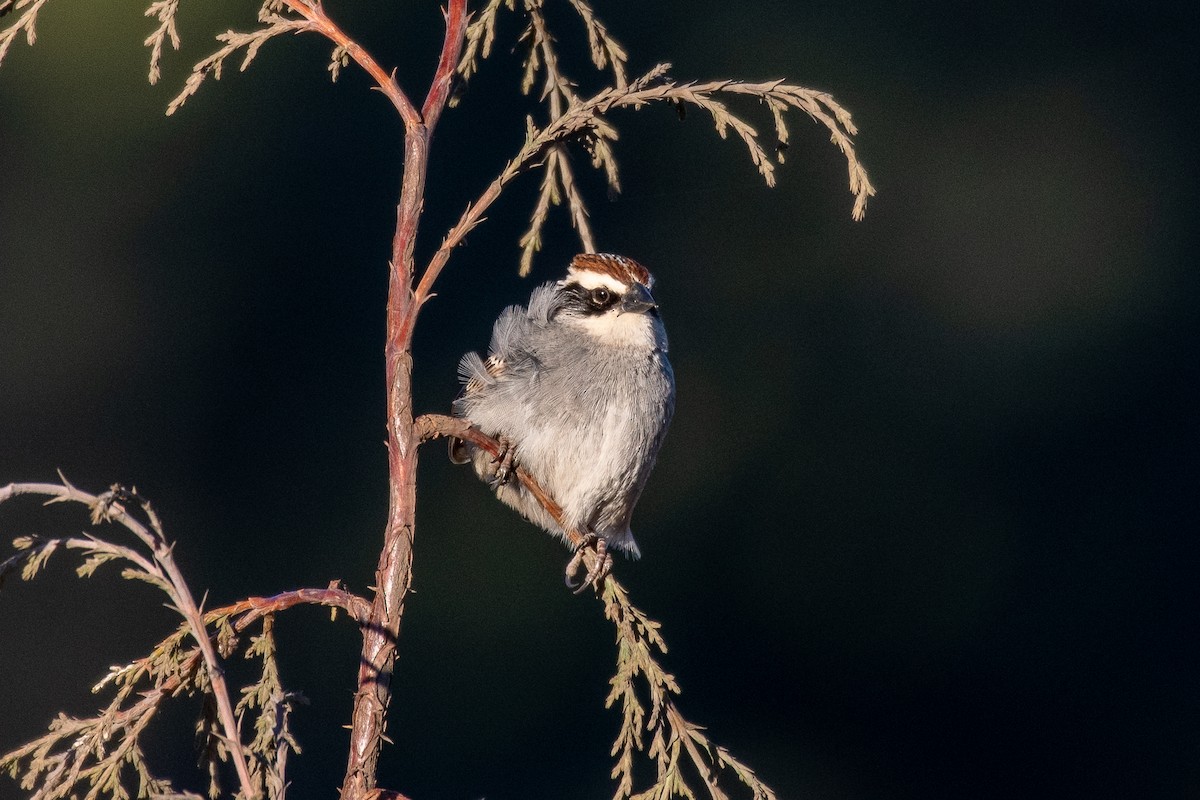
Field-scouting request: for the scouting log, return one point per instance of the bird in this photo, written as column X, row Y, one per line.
column 578, row 390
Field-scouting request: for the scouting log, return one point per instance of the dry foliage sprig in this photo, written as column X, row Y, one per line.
column 586, row 121
column 26, row 23
column 679, row 750
column 479, row 37
column 156, row 566
column 274, row 24
column 573, row 118
column 675, row 743
column 558, row 93
column 558, row 180
column 606, row 51
column 272, row 707
column 97, row 755
column 165, row 11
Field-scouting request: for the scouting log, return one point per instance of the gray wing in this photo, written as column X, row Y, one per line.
column 508, row 360
column 505, row 357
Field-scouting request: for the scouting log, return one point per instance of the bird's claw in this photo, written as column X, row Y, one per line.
column 599, row 569
column 505, row 461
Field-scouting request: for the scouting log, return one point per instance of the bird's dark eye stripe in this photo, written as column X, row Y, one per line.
column 589, row 301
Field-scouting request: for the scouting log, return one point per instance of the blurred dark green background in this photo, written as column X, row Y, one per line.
column 924, row 526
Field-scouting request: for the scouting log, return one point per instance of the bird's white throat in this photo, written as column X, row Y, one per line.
column 620, row 330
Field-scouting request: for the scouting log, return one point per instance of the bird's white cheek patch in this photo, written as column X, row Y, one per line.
column 629, row 330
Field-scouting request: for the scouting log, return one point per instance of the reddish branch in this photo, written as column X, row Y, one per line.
column 254, row 608
column 320, row 22
column 432, row 426
column 110, row 506
column 393, row 574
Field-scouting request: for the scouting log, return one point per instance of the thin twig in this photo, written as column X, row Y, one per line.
column 320, row 21
column 254, row 608
column 108, row 507
column 433, row 426
column 457, row 20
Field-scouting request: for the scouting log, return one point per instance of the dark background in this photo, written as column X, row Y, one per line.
column 924, row 526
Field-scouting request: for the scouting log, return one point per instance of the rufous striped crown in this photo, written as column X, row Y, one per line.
column 623, row 269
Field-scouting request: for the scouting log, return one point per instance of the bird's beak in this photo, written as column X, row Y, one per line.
column 637, row 299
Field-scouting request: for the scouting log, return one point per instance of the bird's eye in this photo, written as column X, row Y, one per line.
column 601, row 296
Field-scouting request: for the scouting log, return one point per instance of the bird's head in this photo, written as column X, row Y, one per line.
column 608, row 296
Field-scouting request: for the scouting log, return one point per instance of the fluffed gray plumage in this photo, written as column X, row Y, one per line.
column 580, row 384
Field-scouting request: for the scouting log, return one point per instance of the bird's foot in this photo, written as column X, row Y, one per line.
column 599, row 569
column 505, row 462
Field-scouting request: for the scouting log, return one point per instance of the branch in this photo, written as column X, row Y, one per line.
column 433, row 426
column 274, row 25
column 319, row 21
column 586, row 120
column 108, row 507
column 312, row 17
column 254, row 608
column 393, row 574
column 443, row 80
